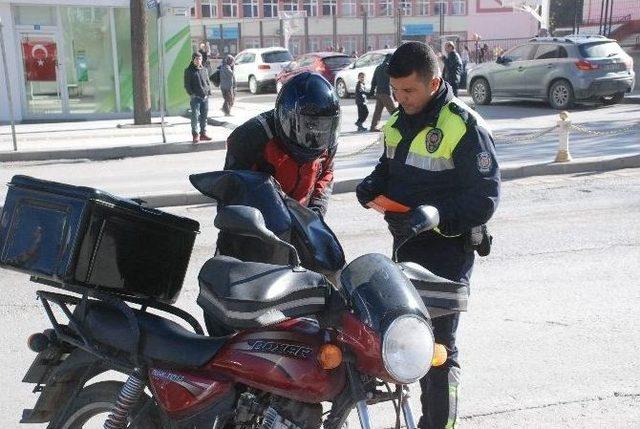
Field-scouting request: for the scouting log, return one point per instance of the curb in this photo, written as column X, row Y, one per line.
column 345, row 186
column 101, row 154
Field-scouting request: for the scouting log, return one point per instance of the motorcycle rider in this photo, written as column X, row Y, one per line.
column 437, row 151
column 295, row 142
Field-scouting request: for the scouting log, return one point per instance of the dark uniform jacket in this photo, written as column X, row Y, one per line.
column 196, row 81
column 443, row 156
column 254, row 146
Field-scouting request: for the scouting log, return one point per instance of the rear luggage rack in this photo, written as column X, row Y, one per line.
column 74, row 332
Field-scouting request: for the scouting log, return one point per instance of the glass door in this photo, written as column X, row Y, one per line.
column 42, row 76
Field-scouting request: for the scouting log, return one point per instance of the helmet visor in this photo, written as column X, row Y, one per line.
column 317, row 132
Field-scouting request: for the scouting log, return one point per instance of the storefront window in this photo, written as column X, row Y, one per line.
column 88, row 59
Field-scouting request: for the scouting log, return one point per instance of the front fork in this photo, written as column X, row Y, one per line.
column 359, row 394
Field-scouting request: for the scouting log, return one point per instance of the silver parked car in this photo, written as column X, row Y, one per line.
column 560, row 70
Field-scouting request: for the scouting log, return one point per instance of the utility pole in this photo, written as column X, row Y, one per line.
column 364, row 30
column 399, row 28
column 442, row 6
column 140, row 62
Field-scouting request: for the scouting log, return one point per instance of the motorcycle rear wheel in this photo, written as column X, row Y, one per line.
column 91, row 408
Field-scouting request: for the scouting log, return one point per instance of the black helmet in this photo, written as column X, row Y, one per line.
column 307, row 116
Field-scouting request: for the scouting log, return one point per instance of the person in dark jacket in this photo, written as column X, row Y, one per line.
column 197, row 85
column 437, row 151
column 295, row 142
column 380, row 87
column 452, row 67
column 227, row 84
column 361, row 102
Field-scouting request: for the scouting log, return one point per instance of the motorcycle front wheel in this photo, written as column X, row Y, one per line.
column 93, row 404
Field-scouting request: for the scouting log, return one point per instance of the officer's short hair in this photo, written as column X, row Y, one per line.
column 414, row 57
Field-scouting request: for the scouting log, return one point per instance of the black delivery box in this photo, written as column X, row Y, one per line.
column 81, row 236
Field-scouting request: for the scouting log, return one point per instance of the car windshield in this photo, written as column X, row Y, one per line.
column 600, row 50
column 276, row 57
column 335, row 63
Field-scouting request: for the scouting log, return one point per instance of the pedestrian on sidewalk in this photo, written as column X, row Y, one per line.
column 380, row 87
column 205, row 51
column 227, row 84
column 452, row 67
column 438, row 152
column 361, row 102
column 197, row 85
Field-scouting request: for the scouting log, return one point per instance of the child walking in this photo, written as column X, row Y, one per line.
column 361, row 102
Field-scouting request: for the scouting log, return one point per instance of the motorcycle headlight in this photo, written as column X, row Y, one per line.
column 407, row 348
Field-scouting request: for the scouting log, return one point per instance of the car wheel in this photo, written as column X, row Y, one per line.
column 480, row 91
column 561, row 95
column 341, row 89
column 278, row 87
column 612, row 99
column 254, row 88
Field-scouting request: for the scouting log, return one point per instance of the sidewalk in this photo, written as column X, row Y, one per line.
column 103, row 139
column 163, row 181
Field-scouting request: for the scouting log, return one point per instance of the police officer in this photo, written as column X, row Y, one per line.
column 439, row 152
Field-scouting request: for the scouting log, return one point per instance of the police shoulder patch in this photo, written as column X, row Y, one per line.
column 433, row 140
column 484, row 162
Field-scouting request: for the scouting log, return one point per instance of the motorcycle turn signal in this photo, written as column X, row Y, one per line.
column 439, row 355
column 329, row 356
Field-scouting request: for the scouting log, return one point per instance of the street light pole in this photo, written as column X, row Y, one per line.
column 6, row 82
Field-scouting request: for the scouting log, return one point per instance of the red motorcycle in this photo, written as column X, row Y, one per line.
column 297, row 340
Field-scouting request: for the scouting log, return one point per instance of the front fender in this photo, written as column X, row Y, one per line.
column 61, row 384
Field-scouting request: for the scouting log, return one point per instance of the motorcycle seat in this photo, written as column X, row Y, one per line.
column 243, row 295
column 161, row 339
column 441, row 296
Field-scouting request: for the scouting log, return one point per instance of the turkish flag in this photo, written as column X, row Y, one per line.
column 40, row 58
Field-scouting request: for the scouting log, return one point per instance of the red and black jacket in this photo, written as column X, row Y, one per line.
column 254, row 146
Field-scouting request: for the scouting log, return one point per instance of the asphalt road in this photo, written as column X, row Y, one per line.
column 550, row 340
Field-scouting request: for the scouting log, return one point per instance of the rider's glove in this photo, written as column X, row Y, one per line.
column 366, row 192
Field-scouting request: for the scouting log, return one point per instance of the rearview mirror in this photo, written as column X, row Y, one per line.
column 424, row 218
column 503, row 60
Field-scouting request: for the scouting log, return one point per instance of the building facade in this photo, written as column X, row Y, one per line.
column 72, row 59
column 354, row 25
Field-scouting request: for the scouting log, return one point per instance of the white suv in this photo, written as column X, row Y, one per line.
column 258, row 68
column 347, row 78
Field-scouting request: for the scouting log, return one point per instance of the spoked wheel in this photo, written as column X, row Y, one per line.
column 480, row 91
column 341, row 89
column 254, row 88
column 561, row 95
column 90, row 409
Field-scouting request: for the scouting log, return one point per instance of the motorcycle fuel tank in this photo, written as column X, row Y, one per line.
column 283, row 360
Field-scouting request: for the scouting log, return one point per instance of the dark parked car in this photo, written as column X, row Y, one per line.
column 560, row 70
column 325, row 63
